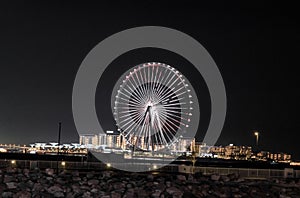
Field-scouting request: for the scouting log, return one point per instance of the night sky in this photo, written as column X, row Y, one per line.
column 256, row 48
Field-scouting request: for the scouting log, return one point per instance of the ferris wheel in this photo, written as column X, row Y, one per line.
column 153, row 106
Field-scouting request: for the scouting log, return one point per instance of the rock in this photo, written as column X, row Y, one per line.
column 61, row 181
column 2, row 188
column 22, row 186
column 173, row 190
column 181, row 177
column 76, row 179
column 49, row 171
column 75, row 173
column 87, row 195
column 234, row 190
column 22, row 194
column 118, row 185
column 240, row 180
column 190, row 177
column 215, row 177
column 225, row 178
column 44, row 181
column 168, row 184
column 11, row 170
column 237, row 196
column 58, row 194
column 116, row 195
column 49, row 178
column 11, row 185
column 150, row 177
column 233, row 176
column 106, row 174
column 157, row 193
column 26, row 172
column 94, row 190
column 37, row 187
column 54, row 189
column 8, row 178
column 143, row 193
column 284, row 196
column 84, row 187
column 89, row 175
column 30, row 184
column 76, row 189
column 93, row 182
column 70, row 195
column 7, row 194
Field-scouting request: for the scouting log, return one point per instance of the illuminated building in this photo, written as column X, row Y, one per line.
column 280, row 157
column 102, row 139
column 87, row 139
column 232, row 152
column 263, row 155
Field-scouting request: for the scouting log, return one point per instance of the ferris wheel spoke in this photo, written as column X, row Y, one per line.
column 127, row 115
column 166, row 94
column 163, row 134
column 169, row 127
column 170, row 80
column 171, row 118
column 160, row 86
column 132, row 123
column 170, row 94
column 131, row 105
column 179, row 117
column 164, row 83
column 166, row 124
column 138, row 93
column 140, row 83
column 126, row 111
column 173, row 100
column 128, row 118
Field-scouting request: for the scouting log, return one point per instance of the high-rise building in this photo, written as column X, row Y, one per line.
column 102, row 140
column 88, row 139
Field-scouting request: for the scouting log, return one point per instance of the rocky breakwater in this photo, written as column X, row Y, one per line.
column 23, row 183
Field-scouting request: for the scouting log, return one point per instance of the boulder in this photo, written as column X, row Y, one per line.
column 76, row 179
column 49, row 171
column 173, row 190
column 8, row 178
column 93, row 182
column 90, row 175
column 7, row 194
column 54, row 189
column 37, row 187
column 11, row 185
column 181, row 178
column 22, row 194
column 58, row 194
column 215, row 177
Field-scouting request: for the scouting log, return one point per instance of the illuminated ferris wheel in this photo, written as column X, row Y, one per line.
column 153, row 106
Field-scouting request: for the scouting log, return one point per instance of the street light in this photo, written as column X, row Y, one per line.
column 257, row 136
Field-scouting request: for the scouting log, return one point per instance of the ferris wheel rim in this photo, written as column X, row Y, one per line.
column 146, row 78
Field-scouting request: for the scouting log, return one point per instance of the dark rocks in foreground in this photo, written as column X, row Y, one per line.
column 23, row 183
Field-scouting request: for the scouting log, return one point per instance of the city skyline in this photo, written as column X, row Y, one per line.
column 253, row 45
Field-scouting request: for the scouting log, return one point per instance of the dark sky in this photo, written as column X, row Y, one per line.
column 256, row 47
